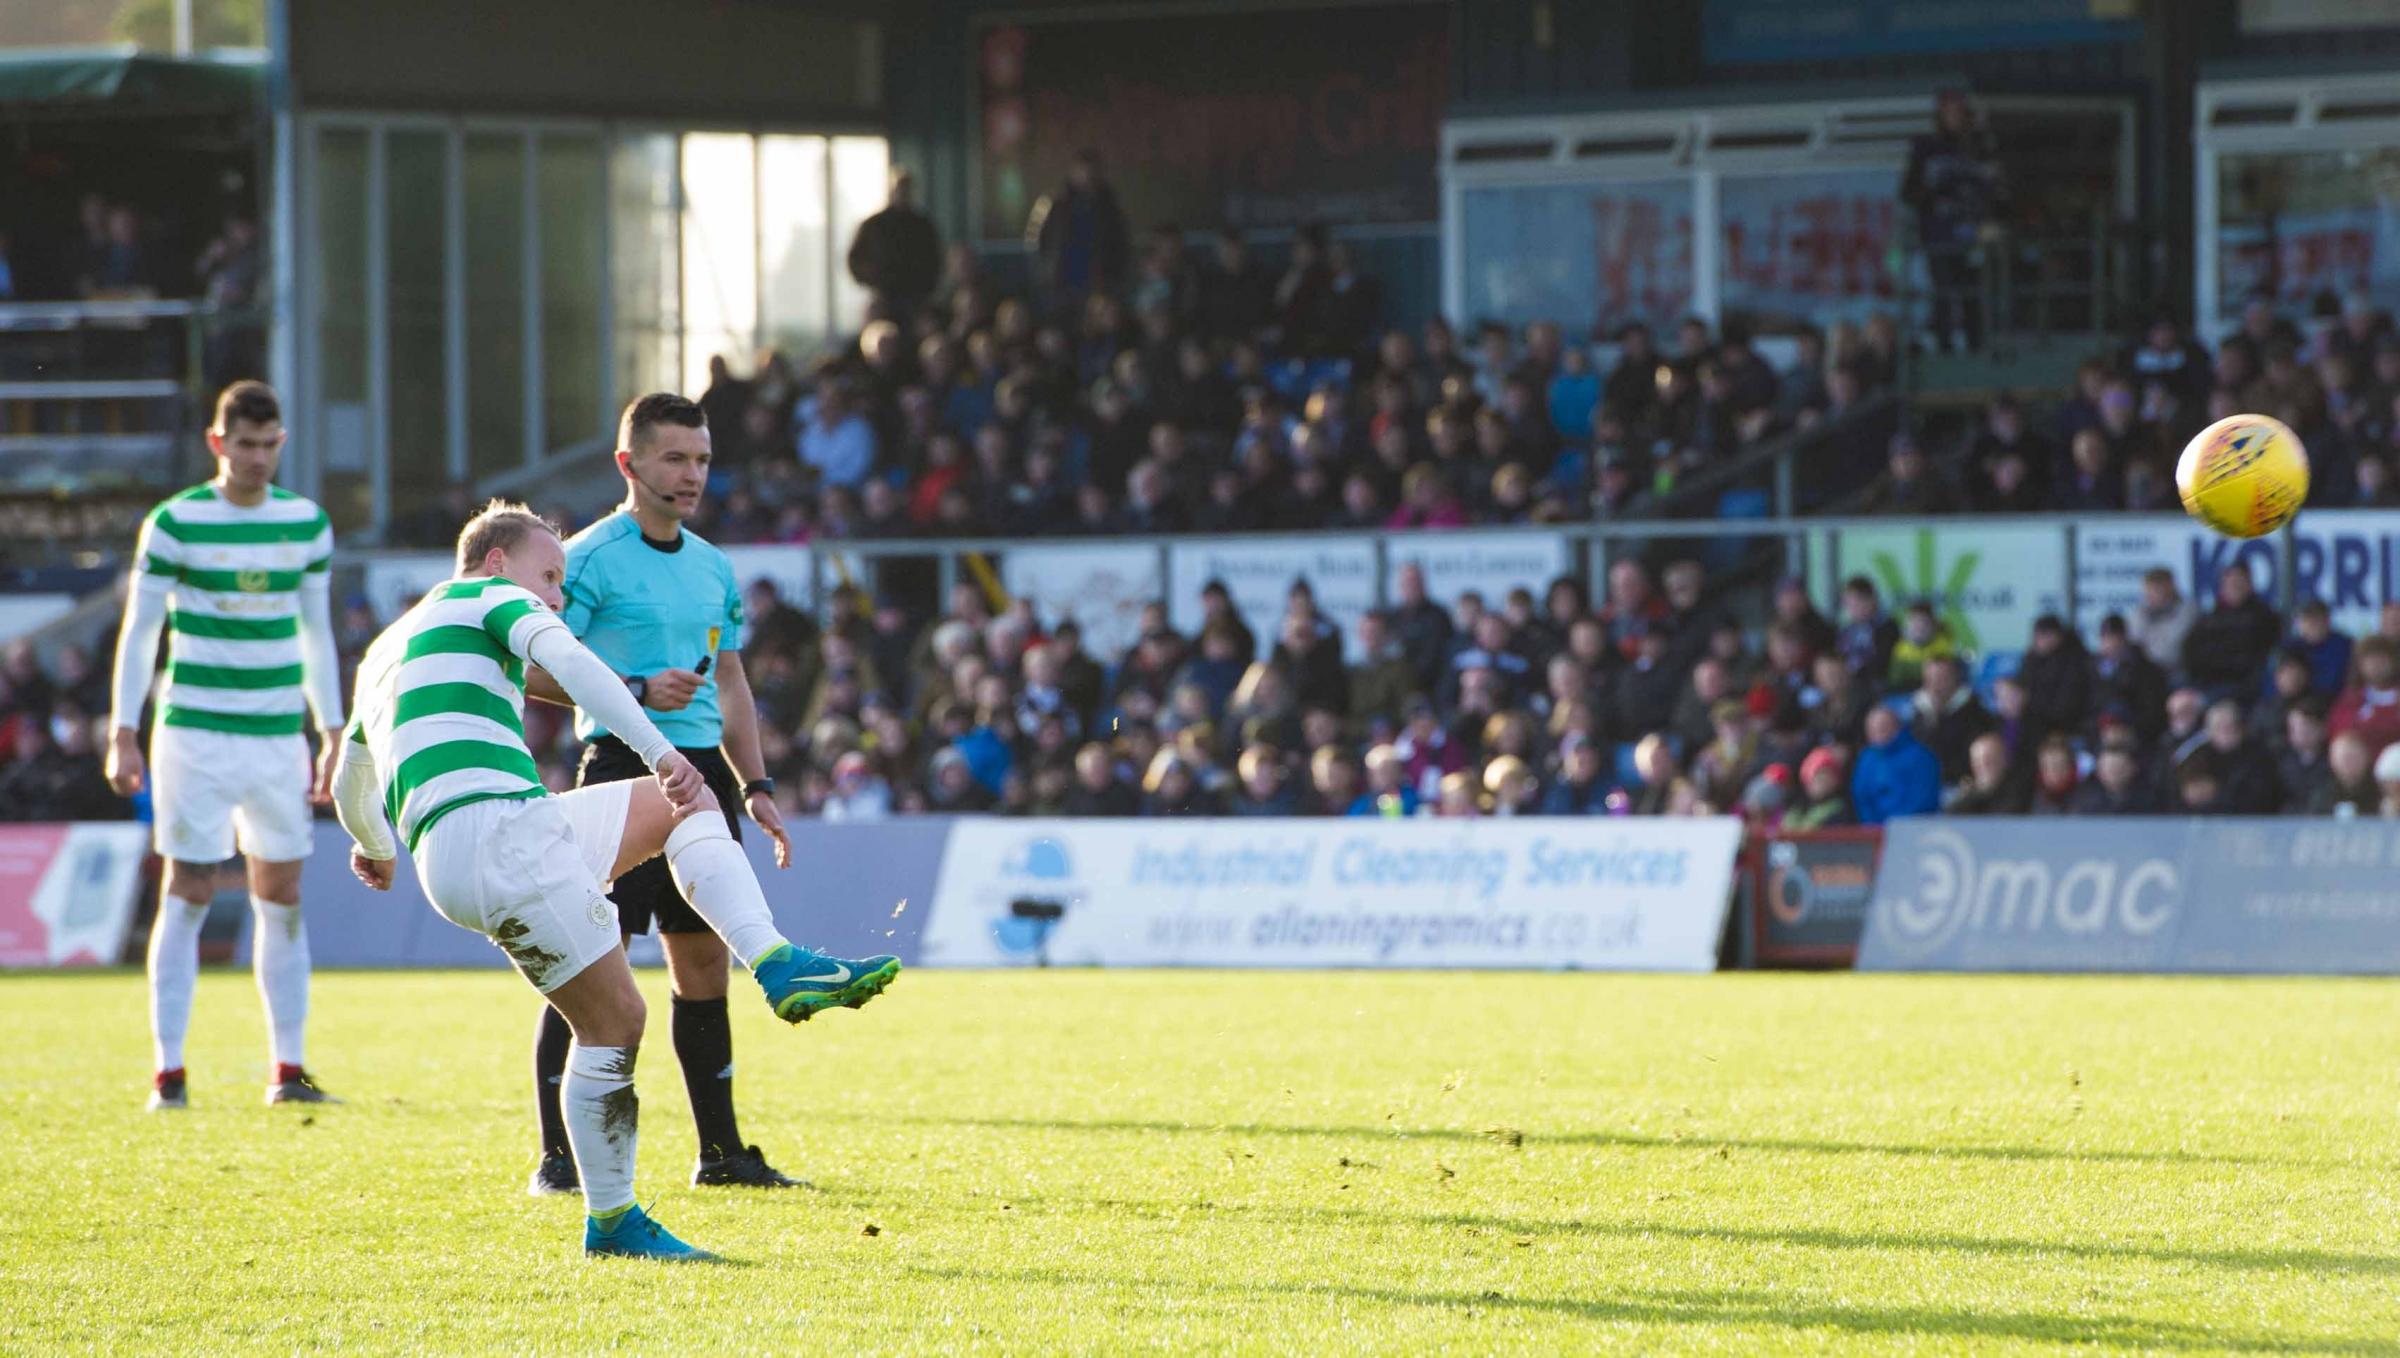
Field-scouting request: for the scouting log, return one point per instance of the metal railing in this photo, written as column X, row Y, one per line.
column 2010, row 293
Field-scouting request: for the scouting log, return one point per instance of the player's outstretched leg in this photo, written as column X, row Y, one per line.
column 713, row 875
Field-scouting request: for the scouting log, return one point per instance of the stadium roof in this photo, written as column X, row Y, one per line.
column 119, row 81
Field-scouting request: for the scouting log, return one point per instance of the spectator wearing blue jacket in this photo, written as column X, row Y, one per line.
column 835, row 438
column 1583, row 784
column 2328, row 651
column 1896, row 776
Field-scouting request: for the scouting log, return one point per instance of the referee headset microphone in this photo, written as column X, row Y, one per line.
column 634, row 470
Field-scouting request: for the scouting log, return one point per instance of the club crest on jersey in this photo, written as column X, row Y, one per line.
column 251, row 581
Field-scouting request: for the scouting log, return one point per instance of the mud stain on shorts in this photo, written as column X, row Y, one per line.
column 531, row 958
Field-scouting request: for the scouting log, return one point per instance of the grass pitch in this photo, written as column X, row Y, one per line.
column 1074, row 1161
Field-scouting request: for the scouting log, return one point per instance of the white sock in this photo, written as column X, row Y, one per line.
column 174, row 970
column 712, row 874
column 279, row 956
column 602, row 1117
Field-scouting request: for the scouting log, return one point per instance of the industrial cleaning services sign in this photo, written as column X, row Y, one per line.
column 1646, row 894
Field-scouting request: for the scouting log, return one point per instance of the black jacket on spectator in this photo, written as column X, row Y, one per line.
column 1866, row 647
column 1950, row 731
column 2303, row 781
column 1646, row 696
column 2132, row 689
column 1118, row 799
column 2228, row 647
column 2362, row 799
column 2058, row 689
column 1424, row 631
column 2247, row 784
column 897, row 253
column 1318, row 678
column 2094, row 799
column 1235, row 306
column 1379, row 688
column 2008, row 799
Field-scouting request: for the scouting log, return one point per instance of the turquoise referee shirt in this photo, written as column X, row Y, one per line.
column 645, row 606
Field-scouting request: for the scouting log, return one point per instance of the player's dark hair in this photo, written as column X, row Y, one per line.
column 649, row 412
column 501, row 524
column 251, row 401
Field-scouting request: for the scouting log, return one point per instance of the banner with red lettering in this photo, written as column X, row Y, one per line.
column 1803, row 249
column 1254, row 117
column 1585, row 255
column 2300, row 257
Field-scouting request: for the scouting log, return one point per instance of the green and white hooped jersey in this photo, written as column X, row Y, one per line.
column 440, row 704
column 233, row 619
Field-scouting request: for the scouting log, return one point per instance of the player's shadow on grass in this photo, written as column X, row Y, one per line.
column 1641, row 1141
column 1719, row 1307
column 1811, row 1237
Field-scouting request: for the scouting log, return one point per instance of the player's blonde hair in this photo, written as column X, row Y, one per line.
column 502, row 524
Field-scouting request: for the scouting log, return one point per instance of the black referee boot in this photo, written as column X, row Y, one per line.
column 744, row 1168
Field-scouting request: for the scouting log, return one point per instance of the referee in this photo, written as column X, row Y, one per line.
column 661, row 607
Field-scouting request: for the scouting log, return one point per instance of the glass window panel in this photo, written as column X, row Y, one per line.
column 338, row 289
column 2306, row 227
column 794, row 296
column 1585, row 255
column 720, row 252
column 415, row 202
column 495, row 210
column 1803, row 249
column 862, row 168
column 645, row 265
column 573, row 196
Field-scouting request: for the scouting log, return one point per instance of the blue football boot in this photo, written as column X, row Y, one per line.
column 631, row 1234
column 801, row 981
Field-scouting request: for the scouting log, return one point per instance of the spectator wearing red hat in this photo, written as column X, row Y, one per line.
column 1824, row 792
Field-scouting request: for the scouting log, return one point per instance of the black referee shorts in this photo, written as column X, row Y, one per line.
column 647, row 894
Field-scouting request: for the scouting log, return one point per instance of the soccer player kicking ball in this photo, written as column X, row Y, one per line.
column 437, row 744
column 658, row 603
column 235, row 571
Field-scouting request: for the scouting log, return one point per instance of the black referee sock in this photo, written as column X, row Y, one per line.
column 704, row 1046
column 550, row 1042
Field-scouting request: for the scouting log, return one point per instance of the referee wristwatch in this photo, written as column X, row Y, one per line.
column 639, row 686
column 756, row 786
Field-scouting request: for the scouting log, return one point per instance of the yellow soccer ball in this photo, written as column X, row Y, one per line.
column 2243, row 476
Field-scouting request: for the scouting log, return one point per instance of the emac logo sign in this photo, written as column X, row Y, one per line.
column 1938, row 897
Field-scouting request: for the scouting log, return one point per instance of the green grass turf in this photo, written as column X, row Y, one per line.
column 1082, row 1161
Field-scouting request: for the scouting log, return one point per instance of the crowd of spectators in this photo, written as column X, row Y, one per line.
column 1647, row 701
column 50, row 740
column 2112, row 442
column 1146, row 388
column 116, row 250
column 1140, row 386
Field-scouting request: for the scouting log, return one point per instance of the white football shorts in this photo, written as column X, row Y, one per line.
column 532, row 876
column 211, row 791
